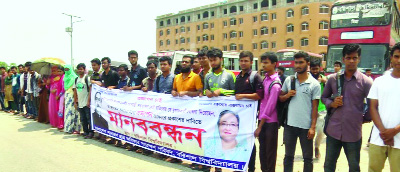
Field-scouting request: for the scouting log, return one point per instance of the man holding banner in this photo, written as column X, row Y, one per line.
column 187, row 83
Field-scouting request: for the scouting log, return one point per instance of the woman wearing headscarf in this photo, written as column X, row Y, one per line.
column 56, row 86
column 43, row 116
column 71, row 115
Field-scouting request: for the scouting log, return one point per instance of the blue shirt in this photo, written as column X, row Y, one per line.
column 165, row 84
column 122, row 83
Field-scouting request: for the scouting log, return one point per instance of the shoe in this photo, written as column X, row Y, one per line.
column 175, row 160
column 89, row 136
column 16, row 113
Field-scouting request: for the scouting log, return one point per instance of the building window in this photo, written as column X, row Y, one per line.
column 176, row 31
column 289, row 28
column 264, row 30
column 323, row 41
column 264, row 45
column 233, row 21
column 176, row 21
column 182, row 40
column 205, row 25
column 199, row 16
column 161, row 43
column 323, row 25
column 264, row 17
column 289, row 43
column 205, row 37
column 233, row 9
column 168, row 42
column 289, row 13
column 225, row 48
column 240, row 46
column 273, row 44
column 304, row 42
column 182, row 29
column 225, row 11
column 233, row 34
column 212, row 37
column 205, row 14
column 324, row 9
column 255, row 6
column 188, row 29
column 188, row 18
column 212, row 25
column 183, row 19
column 241, row 34
column 255, row 32
column 212, row 14
column 188, row 40
column 264, row 3
column 254, row 18
column 161, row 23
column 161, row 32
column 225, row 23
column 304, row 11
column 205, row 48
column 274, row 30
column 225, row 35
column 273, row 16
column 241, row 8
column 176, row 41
column 240, row 20
column 255, row 46
column 198, row 27
column 168, row 31
column 198, row 39
column 233, row 47
column 289, row 1
column 169, row 22
column 304, row 26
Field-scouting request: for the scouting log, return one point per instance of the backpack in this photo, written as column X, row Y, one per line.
column 86, row 81
column 282, row 108
column 339, row 83
column 252, row 77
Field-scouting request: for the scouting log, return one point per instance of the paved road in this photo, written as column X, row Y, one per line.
column 35, row 147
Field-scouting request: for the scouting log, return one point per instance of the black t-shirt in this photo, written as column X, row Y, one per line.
column 136, row 76
column 111, row 79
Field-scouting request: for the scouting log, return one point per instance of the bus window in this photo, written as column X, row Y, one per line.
column 231, row 63
column 255, row 65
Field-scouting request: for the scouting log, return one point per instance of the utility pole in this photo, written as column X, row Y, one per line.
column 69, row 30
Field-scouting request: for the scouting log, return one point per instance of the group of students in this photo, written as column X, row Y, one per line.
column 319, row 105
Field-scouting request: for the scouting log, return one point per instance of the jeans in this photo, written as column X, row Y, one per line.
column 290, row 137
column 268, row 139
column 30, row 105
column 16, row 100
column 351, row 149
column 22, row 101
column 3, row 107
column 85, row 119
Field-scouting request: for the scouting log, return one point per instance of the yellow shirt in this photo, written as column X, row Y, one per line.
column 191, row 83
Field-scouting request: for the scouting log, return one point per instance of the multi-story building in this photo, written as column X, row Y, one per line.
column 255, row 25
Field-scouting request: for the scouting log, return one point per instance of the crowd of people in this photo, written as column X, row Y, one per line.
column 318, row 105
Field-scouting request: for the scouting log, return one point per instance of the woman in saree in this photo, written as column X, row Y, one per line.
column 72, row 118
column 43, row 116
column 56, row 87
column 9, row 98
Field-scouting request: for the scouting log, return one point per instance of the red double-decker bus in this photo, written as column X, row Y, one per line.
column 286, row 59
column 372, row 24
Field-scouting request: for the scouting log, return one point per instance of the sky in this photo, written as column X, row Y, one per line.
column 30, row 30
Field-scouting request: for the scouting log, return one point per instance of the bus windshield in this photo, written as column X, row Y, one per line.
column 361, row 14
column 372, row 57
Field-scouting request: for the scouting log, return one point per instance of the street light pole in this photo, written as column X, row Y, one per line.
column 70, row 30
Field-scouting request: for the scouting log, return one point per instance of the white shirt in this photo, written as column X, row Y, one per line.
column 386, row 90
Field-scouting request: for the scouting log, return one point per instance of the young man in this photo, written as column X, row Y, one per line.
column 281, row 73
column 368, row 72
column 337, row 66
column 95, row 78
column 187, row 83
column 196, row 65
column 21, row 100
column 123, row 76
column 315, row 69
column 23, row 85
column 109, row 79
column 302, row 112
column 137, row 74
column 148, row 83
column 385, row 138
column 81, row 100
column 221, row 82
column 34, row 90
column 164, row 82
column 246, row 88
column 267, row 131
column 3, row 75
column 347, row 111
column 15, row 89
column 205, row 65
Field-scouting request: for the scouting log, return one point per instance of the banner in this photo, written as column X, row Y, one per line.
column 210, row 131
